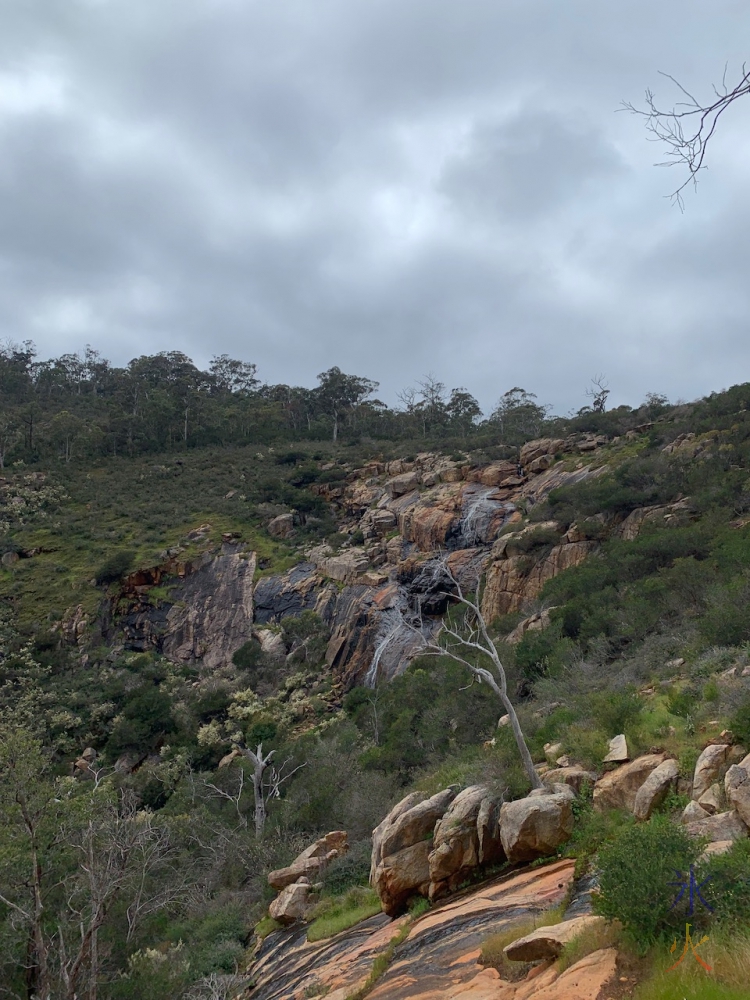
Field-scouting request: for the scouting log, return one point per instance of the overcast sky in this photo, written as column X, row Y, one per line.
column 391, row 186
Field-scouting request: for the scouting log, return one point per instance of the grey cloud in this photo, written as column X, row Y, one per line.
column 390, row 187
column 527, row 166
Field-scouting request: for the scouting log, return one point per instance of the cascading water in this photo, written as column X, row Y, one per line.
column 401, row 635
column 392, row 623
column 478, row 514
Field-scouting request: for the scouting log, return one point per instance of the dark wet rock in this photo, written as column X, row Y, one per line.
column 292, row 593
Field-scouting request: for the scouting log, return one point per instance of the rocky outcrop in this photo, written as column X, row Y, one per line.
column 208, row 614
column 710, row 767
column 311, row 862
column 212, row 614
column 401, row 875
column 538, row 824
column 514, row 579
column 402, row 843
column 466, row 836
column 367, row 643
column 722, row 826
column 346, row 567
column 619, row 788
column 300, row 589
column 548, row 942
column 572, row 775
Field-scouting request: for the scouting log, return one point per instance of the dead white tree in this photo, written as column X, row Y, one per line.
column 267, row 782
column 689, row 126
column 597, row 393
column 472, row 641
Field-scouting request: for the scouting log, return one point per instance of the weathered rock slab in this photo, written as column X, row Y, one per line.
column 548, row 942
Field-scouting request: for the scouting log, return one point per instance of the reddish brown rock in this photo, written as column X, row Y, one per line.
column 512, row 581
column 401, row 875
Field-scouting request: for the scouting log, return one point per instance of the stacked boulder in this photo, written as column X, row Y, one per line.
column 429, row 846
column 299, row 880
column 720, row 806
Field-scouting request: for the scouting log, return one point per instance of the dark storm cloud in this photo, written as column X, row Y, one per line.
column 391, row 187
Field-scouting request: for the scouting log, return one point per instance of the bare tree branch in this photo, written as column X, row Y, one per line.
column 689, row 127
column 475, row 638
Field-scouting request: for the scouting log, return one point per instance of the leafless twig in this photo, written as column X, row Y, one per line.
column 689, row 127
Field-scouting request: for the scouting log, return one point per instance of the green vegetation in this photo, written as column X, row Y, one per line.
column 335, row 913
column 114, row 480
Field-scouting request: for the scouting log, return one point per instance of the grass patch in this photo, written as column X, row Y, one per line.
column 265, row 926
column 588, row 941
column 336, row 913
column 728, row 955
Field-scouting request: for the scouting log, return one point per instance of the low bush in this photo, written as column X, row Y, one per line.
column 351, row 869
column 637, row 878
column 115, row 567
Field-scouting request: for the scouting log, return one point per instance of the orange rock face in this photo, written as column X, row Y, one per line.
column 438, row 958
column 514, row 580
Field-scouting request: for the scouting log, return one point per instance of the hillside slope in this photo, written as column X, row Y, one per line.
column 158, row 611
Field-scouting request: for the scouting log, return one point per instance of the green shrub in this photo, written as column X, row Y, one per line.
column 352, row 868
column 637, row 872
column 616, row 711
column 740, row 721
column 249, row 656
column 115, row 567
column 728, row 888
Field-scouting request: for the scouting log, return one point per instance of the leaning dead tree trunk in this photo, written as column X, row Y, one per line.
column 474, row 640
